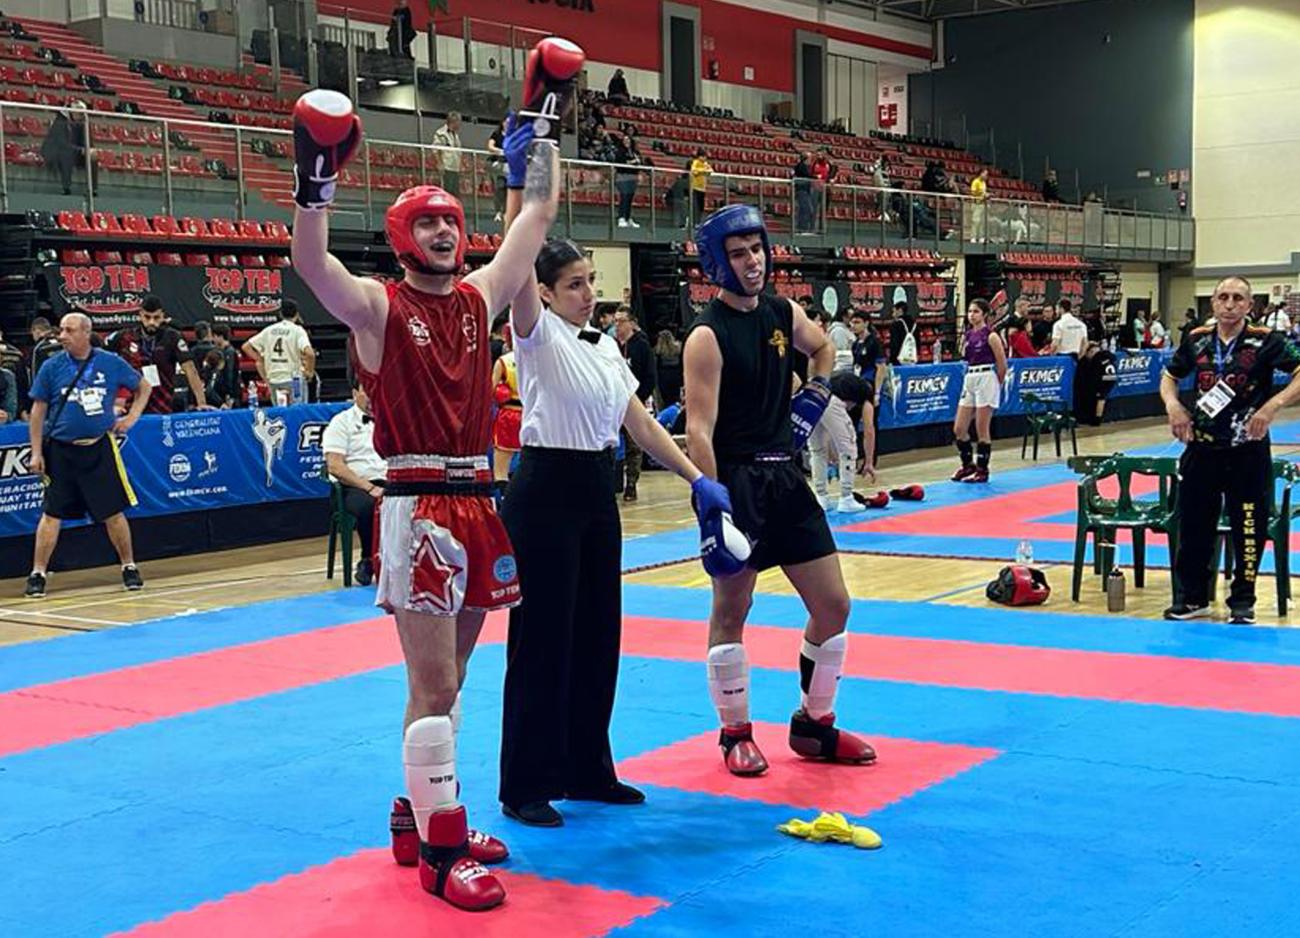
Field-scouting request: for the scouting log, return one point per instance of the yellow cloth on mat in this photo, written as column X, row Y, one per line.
column 832, row 827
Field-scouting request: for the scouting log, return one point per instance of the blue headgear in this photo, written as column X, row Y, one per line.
column 711, row 238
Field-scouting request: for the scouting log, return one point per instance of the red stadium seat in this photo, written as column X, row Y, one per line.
column 191, row 227
column 74, row 256
column 249, row 230
column 169, row 259
column 252, row 260
column 139, row 257
column 198, row 260
column 165, row 226
column 136, row 224
column 108, row 257
column 277, row 260
column 224, row 229
column 105, row 223
column 227, row 260
column 74, row 221
column 277, row 231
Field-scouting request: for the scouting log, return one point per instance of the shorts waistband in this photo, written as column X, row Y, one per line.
column 450, row 470
column 988, row 367
column 569, row 455
column 757, row 458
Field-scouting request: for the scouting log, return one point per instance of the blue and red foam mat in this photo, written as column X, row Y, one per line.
column 230, row 773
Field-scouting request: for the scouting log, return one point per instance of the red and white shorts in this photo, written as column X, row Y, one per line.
column 440, row 553
column 505, row 429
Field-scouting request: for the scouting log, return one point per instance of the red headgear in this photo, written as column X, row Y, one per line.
column 1018, row 585
column 421, row 202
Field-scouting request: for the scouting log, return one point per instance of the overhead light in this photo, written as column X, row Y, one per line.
column 387, row 82
column 360, row 80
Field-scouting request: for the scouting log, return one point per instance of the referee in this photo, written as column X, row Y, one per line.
column 1228, row 457
column 72, row 416
column 562, row 516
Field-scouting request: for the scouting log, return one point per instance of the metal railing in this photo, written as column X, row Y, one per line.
column 252, row 178
column 178, row 14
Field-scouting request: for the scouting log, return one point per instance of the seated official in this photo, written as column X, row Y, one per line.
column 350, row 458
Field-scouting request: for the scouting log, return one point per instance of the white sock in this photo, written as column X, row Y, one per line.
column 820, row 667
column 846, row 476
column 729, row 682
column 429, row 755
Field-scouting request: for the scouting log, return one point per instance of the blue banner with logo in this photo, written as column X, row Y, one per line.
column 1138, row 372
column 915, row 395
column 1050, row 378
column 191, row 462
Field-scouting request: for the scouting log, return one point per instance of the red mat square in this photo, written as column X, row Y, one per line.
column 367, row 894
column 904, row 767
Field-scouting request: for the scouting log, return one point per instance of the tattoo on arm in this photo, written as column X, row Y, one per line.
column 539, row 182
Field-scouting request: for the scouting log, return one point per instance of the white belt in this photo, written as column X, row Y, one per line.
column 980, row 367
column 422, row 461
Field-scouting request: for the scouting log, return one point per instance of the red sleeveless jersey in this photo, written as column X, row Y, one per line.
column 433, row 393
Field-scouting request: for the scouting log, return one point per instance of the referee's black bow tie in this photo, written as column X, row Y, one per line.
column 589, row 335
column 366, row 418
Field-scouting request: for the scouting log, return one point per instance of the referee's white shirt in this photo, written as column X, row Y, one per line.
column 1069, row 335
column 351, row 434
column 574, row 392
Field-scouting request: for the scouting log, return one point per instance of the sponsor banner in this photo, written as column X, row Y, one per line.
column 1138, row 372
column 931, row 298
column 191, row 462
column 1084, row 295
column 1050, row 378
column 240, row 297
column 919, row 394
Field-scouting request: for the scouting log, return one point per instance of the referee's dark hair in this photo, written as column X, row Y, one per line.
column 150, row 303
column 288, row 308
column 555, row 255
column 1064, row 304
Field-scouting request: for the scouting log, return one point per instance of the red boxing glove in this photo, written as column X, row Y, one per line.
column 549, row 83
column 326, row 132
column 502, row 394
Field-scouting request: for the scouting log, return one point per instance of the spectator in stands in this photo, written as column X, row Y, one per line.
column 350, row 458
column 675, row 198
column 903, row 348
column 448, row 137
column 641, row 359
column 668, row 368
column 1094, row 198
column 700, row 172
column 283, row 352
column 1189, row 323
column 67, row 146
column 617, row 91
column 497, row 167
column 803, row 193
column 881, row 180
column 157, row 351
column 1051, row 187
column 625, row 156
column 202, row 342
column 1069, row 334
column 1018, row 341
column 979, row 193
column 72, row 443
column 824, row 173
column 401, row 31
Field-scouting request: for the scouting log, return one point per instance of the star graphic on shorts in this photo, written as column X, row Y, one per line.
column 432, row 576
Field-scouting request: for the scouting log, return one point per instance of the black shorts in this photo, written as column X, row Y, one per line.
column 773, row 504
column 85, row 480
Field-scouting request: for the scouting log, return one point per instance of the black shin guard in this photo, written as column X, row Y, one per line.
column 964, row 450
column 985, row 451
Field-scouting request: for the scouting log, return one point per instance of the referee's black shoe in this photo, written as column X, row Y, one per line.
column 131, row 578
column 35, row 586
column 1241, row 615
column 1182, row 611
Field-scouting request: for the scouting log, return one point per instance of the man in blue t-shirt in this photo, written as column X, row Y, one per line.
column 72, row 426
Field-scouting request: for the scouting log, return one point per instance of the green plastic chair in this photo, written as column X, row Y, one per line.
column 1103, row 518
column 1042, row 416
column 1281, row 510
column 341, row 526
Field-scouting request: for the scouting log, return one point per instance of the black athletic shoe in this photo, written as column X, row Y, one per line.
column 364, row 574
column 1183, row 611
column 1243, row 615
column 131, row 578
column 629, row 493
column 35, row 586
column 534, row 814
column 616, row 793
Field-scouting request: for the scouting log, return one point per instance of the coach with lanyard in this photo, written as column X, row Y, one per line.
column 72, row 445
column 562, row 654
column 1228, row 457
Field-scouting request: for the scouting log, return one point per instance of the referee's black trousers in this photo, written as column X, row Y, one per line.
column 1240, row 476
column 563, row 646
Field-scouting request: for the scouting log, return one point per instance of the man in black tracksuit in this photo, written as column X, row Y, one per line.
column 1228, row 455
column 641, row 359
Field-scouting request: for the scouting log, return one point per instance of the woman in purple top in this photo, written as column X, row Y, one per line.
column 981, row 391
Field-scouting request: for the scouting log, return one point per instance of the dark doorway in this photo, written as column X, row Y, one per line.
column 814, row 83
column 681, row 39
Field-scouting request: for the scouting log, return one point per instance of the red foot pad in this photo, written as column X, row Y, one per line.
column 448, row 871
column 819, row 739
column 908, row 493
column 739, row 751
column 406, row 842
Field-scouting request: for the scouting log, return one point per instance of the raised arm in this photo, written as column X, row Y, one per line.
column 326, row 133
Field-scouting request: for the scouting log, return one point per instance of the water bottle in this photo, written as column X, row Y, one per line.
column 295, row 384
column 1115, row 590
column 250, row 394
column 1024, row 552
column 936, row 353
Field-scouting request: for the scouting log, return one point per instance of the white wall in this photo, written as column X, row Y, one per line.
column 851, row 92
column 891, row 82
column 1142, row 282
column 1245, row 139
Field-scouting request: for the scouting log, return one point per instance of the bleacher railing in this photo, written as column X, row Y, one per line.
column 151, row 165
column 178, row 14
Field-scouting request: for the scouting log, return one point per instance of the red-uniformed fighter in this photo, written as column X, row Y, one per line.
column 423, row 356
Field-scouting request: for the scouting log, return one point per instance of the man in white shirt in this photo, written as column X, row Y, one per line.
column 282, row 352
column 448, row 135
column 1069, row 334
column 841, row 336
column 1277, row 319
column 1157, row 334
column 350, row 458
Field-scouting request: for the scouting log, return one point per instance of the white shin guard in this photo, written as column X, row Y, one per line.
column 429, row 755
column 729, row 683
column 817, row 460
column 820, row 667
column 847, row 469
